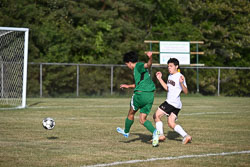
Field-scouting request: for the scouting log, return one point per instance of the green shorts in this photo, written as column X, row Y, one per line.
column 142, row 101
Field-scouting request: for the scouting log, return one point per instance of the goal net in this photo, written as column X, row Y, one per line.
column 13, row 67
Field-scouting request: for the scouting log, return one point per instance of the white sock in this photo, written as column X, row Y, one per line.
column 159, row 127
column 179, row 130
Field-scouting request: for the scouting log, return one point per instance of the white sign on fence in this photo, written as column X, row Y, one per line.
column 172, row 49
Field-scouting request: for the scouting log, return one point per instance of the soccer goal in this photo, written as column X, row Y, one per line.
column 13, row 67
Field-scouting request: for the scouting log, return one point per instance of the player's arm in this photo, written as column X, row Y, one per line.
column 159, row 77
column 184, row 88
column 127, row 86
column 149, row 63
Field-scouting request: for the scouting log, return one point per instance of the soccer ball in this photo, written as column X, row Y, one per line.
column 49, row 123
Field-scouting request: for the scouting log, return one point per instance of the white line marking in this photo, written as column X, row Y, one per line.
column 204, row 113
column 169, row 158
column 210, row 113
column 83, row 107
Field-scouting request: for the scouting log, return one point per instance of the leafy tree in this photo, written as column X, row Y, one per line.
column 101, row 31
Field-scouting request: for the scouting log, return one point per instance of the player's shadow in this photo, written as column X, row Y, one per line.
column 34, row 104
column 171, row 135
column 142, row 137
column 52, row 138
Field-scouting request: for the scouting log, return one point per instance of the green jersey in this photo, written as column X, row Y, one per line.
column 142, row 78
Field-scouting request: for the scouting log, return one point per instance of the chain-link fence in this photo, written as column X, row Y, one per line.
column 78, row 80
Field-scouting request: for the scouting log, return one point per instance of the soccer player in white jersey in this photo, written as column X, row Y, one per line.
column 175, row 85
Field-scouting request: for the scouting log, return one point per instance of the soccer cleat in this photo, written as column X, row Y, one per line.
column 156, row 135
column 162, row 138
column 120, row 130
column 187, row 139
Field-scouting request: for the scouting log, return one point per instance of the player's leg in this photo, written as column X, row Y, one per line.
column 128, row 123
column 146, row 123
column 130, row 118
column 177, row 128
column 158, row 123
column 148, row 100
column 163, row 109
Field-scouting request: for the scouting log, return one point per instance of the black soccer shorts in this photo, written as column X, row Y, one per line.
column 168, row 109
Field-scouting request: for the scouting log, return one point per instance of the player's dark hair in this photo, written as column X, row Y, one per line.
column 130, row 57
column 174, row 61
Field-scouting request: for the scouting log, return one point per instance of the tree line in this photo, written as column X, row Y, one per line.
column 101, row 31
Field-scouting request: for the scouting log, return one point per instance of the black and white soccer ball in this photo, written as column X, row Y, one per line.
column 49, row 123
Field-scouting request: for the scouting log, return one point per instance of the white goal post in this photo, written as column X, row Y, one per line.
column 13, row 67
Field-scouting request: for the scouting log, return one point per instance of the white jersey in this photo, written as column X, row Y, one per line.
column 174, row 90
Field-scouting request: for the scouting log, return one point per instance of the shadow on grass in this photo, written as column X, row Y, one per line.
column 146, row 138
column 34, row 104
column 142, row 137
column 52, row 138
column 171, row 135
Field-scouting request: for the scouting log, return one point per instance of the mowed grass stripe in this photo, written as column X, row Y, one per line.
column 87, row 135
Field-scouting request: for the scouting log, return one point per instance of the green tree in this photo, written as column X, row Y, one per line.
column 101, row 31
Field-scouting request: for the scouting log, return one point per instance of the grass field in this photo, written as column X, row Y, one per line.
column 85, row 134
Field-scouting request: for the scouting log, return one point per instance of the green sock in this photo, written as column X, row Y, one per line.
column 149, row 126
column 128, row 124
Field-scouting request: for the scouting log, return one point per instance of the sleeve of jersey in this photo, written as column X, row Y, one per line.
column 140, row 67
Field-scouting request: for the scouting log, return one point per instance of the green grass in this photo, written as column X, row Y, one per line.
column 85, row 133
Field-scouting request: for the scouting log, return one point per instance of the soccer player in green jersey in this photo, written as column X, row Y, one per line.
column 143, row 96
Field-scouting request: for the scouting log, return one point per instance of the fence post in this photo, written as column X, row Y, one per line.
column 41, row 79
column 2, row 86
column 77, row 80
column 111, row 79
column 197, row 69
column 219, row 81
column 151, row 69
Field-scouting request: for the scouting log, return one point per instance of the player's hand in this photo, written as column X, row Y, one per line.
column 124, row 86
column 158, row 75
column 182, row 78
column 149, row 54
